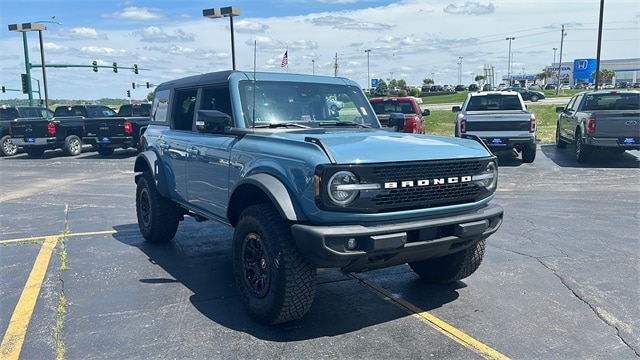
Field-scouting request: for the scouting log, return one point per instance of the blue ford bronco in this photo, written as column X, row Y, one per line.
column 308, row 187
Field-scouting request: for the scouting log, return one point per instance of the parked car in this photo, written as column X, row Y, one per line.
column 487, row 87
column 534, row 87
column 608, row 86
column 550, row 87
column 527, row 94
column 474, row 87
column 460, row 88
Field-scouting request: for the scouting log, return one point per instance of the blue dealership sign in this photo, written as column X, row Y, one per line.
column 374, row 83
column 582, row 68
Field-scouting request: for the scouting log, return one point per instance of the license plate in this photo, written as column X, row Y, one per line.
column 105, row 140
column 629, row 141
column 31, row 140
column 497, row 141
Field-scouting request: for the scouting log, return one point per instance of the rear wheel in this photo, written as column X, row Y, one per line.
column 158, row 216
column 8, row 147
column 583, row 151
column 529, row 153
column 72, row 145
column 275, row 281
column 105, row 151
column 452, row 267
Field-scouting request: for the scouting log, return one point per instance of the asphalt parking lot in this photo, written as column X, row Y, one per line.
column 560, row 279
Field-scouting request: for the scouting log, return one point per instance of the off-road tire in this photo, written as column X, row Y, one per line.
column 35, row 152
column 158, row 217
column 529, row 153
column 583, row 151
column 452, row 267
column 275, row 281
column 105, row 151
column 560, row 144
column 72, row 145
column 8, row 147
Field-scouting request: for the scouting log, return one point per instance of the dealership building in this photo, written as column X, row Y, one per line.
column 579, row 72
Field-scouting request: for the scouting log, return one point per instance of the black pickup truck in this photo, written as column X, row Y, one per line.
column 75, row 125
column 10, row 113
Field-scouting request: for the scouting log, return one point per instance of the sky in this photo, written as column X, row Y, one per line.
column 411, row 40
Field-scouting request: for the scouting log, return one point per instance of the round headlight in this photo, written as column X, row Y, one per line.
column 488, row 178
column 340, row 188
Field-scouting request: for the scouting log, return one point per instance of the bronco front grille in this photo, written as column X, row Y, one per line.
column 417, row 185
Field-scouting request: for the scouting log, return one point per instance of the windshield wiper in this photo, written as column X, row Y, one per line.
column 342, row 123
column 278, row 125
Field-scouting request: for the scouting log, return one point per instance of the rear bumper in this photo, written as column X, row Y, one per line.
column 378, row 246
column 48, row 142
column 111, row 142
column 627, row 143
column 503, row 143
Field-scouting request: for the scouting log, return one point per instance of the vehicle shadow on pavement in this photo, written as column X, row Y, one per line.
column 599, row 158
column 199, row 258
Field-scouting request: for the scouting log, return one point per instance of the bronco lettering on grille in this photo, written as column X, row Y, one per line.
column 427, row 182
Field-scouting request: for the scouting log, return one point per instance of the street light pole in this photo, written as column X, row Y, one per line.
column 562, row 35
column 313, row 67
column 460, row 70
column 230, row 12
column 509, row 64
column 368, row 51
column 554, row 57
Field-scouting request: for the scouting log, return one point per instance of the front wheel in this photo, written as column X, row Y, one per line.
column 8, row 147
column 450, row 268
column 534, row 98
column 275, row 281
column 158, row 216
column 72, row 145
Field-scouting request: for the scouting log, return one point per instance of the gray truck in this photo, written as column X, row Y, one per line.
column 307, row 187
column 501, row 120
column 603, row 120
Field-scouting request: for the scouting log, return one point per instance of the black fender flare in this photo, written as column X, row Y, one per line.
column 148, row 161
column 277, row 193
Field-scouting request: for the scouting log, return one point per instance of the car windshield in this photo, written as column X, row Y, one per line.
column 266, row 104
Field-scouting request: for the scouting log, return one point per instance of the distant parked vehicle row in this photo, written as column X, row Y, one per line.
column 11, row 113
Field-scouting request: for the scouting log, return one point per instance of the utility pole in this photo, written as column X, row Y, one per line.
column 597, row 80
column 562, row 35
column 335, row 66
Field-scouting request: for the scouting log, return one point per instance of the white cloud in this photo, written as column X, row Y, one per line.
column 137, row 14
column 81, row 33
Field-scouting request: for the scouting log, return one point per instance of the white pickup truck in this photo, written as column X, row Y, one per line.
column 500, row 119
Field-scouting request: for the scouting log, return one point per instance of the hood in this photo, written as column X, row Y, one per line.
column 383, row 146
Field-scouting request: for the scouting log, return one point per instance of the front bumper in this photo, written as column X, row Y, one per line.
column 378, row 246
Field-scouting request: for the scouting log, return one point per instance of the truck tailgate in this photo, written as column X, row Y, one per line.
column 30, row 128
column 618, row 124
column 106, row 128
column 498, row 121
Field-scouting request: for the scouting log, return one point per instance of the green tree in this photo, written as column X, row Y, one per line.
column 382, row 89
column 479, row 78
column 401, row 83
column 427, row 81
column 605, row 75
column 150, row 97
column 546, row 74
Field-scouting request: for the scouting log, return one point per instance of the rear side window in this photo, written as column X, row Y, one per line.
column 612, row 101
column 159, row 108
column 183, row 109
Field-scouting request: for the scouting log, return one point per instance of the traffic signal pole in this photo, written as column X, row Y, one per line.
column 27, row 66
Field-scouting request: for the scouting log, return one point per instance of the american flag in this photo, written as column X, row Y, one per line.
column 285, row 59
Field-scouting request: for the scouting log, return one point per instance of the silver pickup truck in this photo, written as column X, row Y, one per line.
column 500, row 119
column 607, row 119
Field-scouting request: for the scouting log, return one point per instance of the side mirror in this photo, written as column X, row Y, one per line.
column 560, row 109
column 456, row 108
column 426, row 112
column 212, row 121
column 396, row 120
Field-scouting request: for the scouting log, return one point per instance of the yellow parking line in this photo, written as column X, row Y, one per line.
column 14, row 337
column 441, row 326
column 106, row 232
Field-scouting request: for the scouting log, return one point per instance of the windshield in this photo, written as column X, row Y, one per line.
column 309, row 104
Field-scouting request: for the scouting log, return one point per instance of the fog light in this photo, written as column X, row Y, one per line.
column 352, row 243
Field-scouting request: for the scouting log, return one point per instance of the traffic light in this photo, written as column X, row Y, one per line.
column 133, row 85
column 4, row 90
column 25, row 83
column 95, row 66
column 135, row 68
column 128, row 93
column 147, row 84
column 115, row 67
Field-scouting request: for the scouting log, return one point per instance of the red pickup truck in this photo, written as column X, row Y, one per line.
column 414, row 121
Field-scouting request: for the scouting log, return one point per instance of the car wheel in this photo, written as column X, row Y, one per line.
column 72, row 145
column 452, row 267
column 275, row 281
column 529, row 153
column 8, row 147
column 105, row 151
column 560, row 144
column 35, row 152
column 157, row 216
column 583, row 151
column 534, row 98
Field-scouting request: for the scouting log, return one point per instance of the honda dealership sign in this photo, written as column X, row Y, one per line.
column 583, row 68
